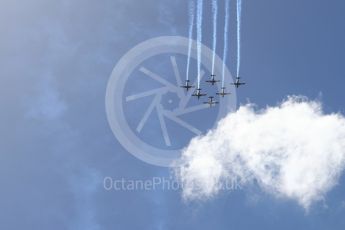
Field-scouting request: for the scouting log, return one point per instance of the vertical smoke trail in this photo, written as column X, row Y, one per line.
column 226, row 25
column 199, row 35
column 215, row 14
column 239, row 11
column 191, row 9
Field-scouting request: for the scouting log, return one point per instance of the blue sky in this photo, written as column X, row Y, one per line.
column 57, row 147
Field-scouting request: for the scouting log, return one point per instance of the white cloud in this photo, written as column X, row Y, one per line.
column 293, row 150
column 48, row 104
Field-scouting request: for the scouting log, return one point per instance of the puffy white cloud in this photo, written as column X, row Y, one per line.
column 292, row 150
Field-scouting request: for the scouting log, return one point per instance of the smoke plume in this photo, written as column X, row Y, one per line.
column 199, row 36
column 226, row 29
column 214, row 45
column 191, row 9
column 239, row 12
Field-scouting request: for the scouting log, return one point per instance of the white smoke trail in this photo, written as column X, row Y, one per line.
column 293, row 150
column 215, row 15
column 191, row 10
column 199, row 36
column 226, row 29
column 239, row 12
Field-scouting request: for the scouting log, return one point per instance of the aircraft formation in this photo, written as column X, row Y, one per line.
column 213, row 81
column 196, row 14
